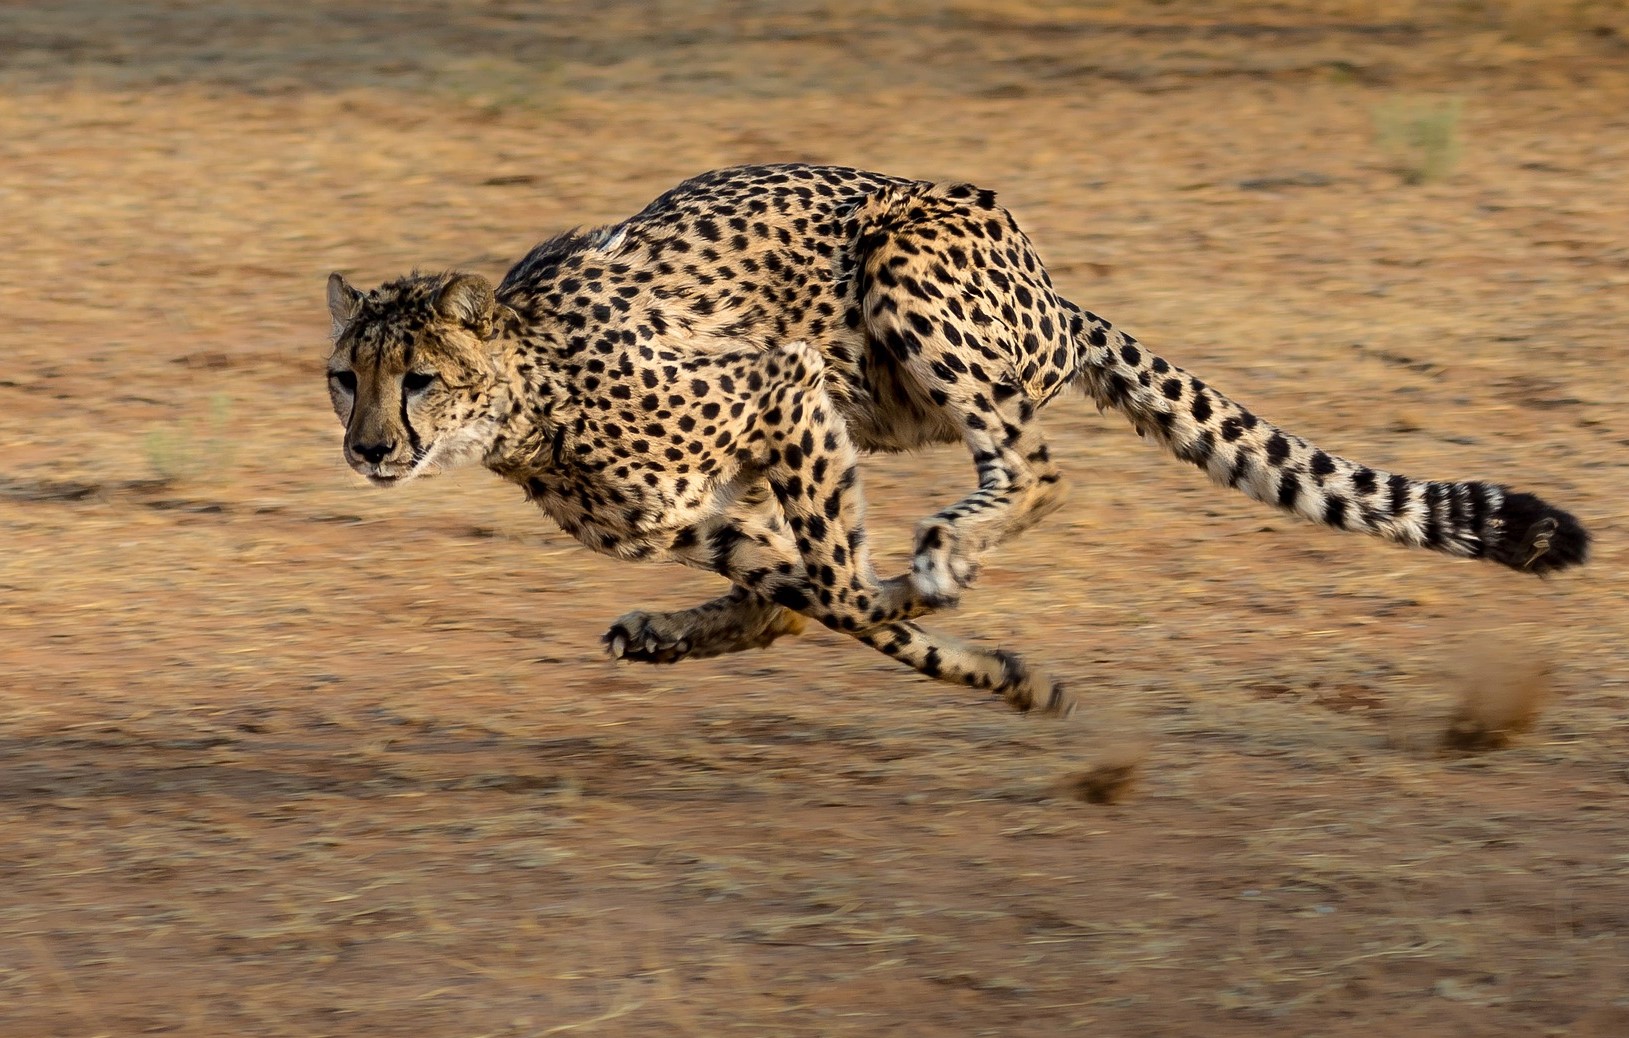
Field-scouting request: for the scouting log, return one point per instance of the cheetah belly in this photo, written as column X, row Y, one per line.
column 624, row 518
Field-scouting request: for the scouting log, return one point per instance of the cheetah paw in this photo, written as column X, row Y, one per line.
column 637, row 638
column 939, row 572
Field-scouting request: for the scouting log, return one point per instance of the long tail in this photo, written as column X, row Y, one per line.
column 1239, row 449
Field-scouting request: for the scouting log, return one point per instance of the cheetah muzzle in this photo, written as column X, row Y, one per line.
column 697, row 383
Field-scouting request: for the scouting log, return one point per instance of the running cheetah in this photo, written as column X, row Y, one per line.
column 696, row 384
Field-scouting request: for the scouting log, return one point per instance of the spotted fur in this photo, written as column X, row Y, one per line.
column 697, row 383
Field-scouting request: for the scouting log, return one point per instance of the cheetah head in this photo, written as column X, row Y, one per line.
column 413, row 377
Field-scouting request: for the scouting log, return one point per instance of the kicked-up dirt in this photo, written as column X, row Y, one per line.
column 283, row 755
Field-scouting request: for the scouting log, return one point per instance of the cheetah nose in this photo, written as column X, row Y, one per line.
column 372, row 453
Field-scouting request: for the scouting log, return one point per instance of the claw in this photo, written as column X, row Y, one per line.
column 619, row 645
column 650, row 644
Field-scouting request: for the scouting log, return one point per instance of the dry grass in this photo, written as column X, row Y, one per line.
column 1422, row 137
column 281, row 756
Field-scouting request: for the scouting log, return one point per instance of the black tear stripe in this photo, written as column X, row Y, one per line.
column 412, row 434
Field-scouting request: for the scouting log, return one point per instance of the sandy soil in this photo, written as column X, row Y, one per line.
column 281, row 755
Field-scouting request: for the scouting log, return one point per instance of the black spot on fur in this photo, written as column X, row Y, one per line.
column 1288, row 487
column 1398, row 486
column 1201, row 407
column 1241, row 467
column 1278, row 448
column 1432, row 535
column 792, row 597
column 1200, row 450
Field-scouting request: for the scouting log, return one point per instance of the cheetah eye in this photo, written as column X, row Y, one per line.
column 417, row 381
column 345, row 379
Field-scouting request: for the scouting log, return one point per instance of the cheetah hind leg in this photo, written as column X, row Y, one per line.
column 733, row 622
column 1019, row 485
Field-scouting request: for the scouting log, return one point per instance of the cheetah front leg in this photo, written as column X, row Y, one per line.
column 771, row 563
column 790, row 533
column 733, row 622
column 819, row 564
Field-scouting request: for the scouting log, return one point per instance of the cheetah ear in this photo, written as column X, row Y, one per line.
column 469, row 300
column 343, row 301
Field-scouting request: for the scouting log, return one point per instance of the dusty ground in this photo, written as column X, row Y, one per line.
column 280, row 755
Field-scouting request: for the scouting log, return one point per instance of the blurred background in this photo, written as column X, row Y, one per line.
column 282, row 755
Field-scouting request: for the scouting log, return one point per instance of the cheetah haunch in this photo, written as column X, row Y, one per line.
column 697, row 382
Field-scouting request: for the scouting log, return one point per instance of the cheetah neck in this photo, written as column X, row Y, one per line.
column 535, row 405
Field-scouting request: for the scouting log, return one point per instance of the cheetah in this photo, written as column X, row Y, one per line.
column 697, row 383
